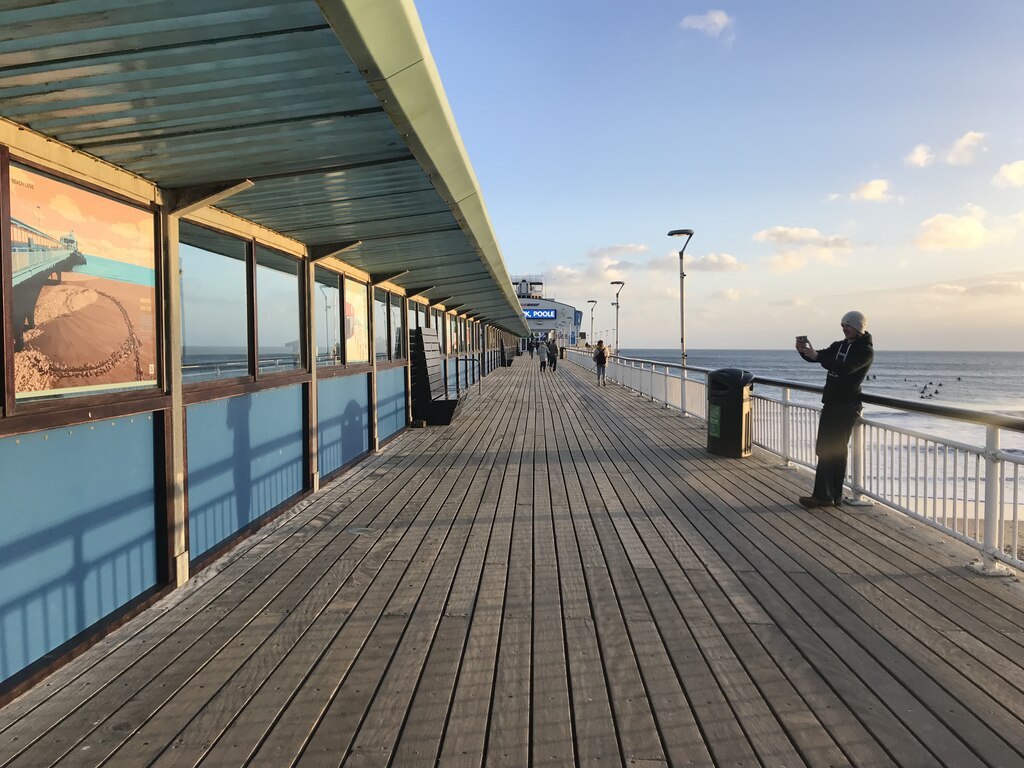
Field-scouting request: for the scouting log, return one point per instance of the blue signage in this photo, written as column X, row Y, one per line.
column 540, row 314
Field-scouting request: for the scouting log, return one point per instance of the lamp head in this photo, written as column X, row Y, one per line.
column 681, row 232
column 617, row 282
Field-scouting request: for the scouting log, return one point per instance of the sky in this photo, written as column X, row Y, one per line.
column 829, row 156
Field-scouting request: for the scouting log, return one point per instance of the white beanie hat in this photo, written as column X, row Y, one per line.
column 855, row 320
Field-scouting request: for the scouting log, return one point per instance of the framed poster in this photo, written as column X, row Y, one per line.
column 357, row 338
column 83, row 284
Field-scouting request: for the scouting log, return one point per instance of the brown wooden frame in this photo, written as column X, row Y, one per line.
column 75, row 408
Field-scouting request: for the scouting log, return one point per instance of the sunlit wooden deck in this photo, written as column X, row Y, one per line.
column 563, row 577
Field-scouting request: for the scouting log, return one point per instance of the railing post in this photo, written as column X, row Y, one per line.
column 682, row 391
column 785, row 427
column 987, row 565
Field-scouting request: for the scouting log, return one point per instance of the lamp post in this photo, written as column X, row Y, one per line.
column 615, row 304
column 687, row 233
column 592, row 303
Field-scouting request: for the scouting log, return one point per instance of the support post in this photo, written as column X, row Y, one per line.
column 987, row 564
column 786, row 453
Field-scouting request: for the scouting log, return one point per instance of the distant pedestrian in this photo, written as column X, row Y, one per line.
column 542, row 353
column 530, row 346
column 553, row 354
column 601, row 362
column 847, row 363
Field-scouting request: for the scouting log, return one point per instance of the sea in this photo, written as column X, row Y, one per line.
column 990, row 382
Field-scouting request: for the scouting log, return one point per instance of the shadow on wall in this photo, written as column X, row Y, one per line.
column 245, row 457
column 77, row 532
column 239, row 409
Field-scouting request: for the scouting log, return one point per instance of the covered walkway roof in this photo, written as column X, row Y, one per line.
column 334, row 109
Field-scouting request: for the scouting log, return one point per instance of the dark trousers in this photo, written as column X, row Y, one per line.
column 553, row 361
column 834, row 430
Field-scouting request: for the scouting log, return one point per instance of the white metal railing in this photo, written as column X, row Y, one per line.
column 972, row 492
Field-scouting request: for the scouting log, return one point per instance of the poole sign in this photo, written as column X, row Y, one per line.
column 540, row 314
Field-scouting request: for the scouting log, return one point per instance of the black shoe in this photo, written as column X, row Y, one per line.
column 813, row 501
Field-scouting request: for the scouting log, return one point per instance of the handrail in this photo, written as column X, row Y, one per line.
column 986, row 418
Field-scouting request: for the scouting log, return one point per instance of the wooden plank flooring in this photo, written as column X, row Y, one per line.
column 564, row 577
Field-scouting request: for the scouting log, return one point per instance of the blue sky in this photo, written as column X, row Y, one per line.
column 829, row 156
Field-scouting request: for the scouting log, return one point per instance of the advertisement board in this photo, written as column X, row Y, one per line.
column 83, row 284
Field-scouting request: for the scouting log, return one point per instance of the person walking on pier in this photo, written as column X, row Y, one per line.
column 542, row 353
column 530, row 345
column 601, row 362
column 847, row 362
column 552, row 354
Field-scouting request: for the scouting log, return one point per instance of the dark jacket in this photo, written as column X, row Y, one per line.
column 847, row 363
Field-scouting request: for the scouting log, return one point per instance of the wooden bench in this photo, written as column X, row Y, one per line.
column 507, row 355
column 430, row 401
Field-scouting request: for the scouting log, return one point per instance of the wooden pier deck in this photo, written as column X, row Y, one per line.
column 564, row 577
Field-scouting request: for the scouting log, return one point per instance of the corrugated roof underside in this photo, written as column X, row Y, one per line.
column 187, row 94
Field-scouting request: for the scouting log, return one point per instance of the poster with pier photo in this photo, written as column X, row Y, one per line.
column 84, row 289
column 357, row 339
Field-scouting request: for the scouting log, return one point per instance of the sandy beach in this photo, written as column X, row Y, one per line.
column 89, row 332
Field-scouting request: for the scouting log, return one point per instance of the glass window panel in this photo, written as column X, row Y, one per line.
column 357, row 319
column 278, row 312
column 83, row 289
column 453, row 334
column 327, row 309
column 380, row 324
column 397, row 331
column 214, row 315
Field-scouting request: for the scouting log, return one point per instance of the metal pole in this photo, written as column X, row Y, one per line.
column 988, row 565
column 687, row 233
column 682, row 332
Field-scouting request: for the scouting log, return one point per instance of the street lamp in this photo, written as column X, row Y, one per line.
column 687, row 233
column 616, row 305
column 592, row 303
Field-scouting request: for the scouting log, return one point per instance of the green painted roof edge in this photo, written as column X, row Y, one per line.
column 386, row 41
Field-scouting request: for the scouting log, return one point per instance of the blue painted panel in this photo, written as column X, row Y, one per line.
column 343, row 411
column 77, row 532
column 390, row 402
column 245, row 457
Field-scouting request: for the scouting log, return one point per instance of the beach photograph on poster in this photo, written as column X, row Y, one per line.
column 83, row 284
column 357, row 344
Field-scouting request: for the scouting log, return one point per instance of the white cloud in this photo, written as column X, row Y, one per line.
column 801, row 236
column 733, row 294
column 787, row 261
column 920, row 156
column 797, row 302
column 714, row 262
column 947, row 231
column 716, row 24
column 1010, row 175
column 965, row 148
column 797, row 246
column 947, row 289
column 997, row 288
column 876, row 190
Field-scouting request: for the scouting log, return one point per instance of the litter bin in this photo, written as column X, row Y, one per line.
column 729, row 414
column 561, row 353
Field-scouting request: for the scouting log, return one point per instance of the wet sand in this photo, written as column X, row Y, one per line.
column 89, row 332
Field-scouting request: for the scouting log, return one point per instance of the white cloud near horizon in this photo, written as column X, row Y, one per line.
column 965, row 148
column 946, row 231
column 1010, row 175
column 715, row 24
column 714, row 262
column 920, row 156
column 797, row 246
